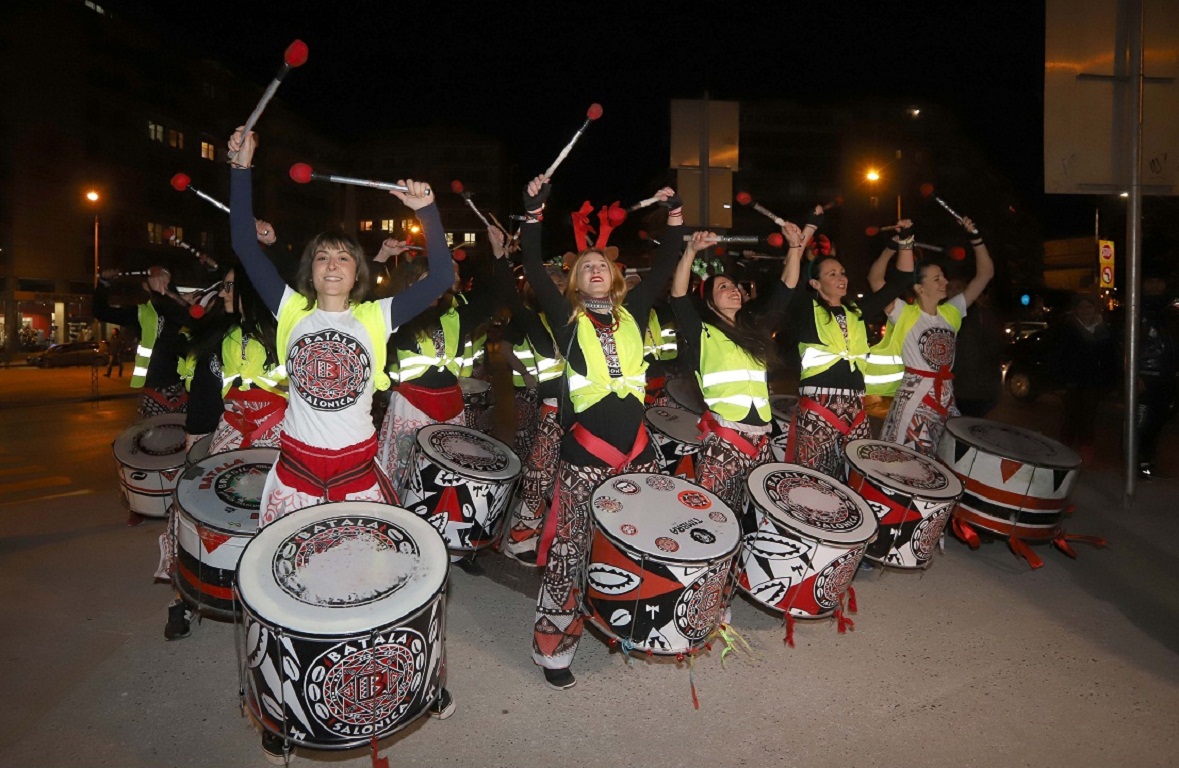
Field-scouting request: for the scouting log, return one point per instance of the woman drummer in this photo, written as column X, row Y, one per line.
column 920, row 342
column 730, row 348
column 833, row 344
column 594, row 324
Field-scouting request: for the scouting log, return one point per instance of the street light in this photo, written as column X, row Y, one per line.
column 94, row 197
column 872, row 176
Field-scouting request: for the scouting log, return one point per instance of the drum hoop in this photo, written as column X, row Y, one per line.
column 125, row 438
column 509, row 473
column 196, row 471
column 695, row 438
column 754, row 485
column 958, row 428
column 952, row 490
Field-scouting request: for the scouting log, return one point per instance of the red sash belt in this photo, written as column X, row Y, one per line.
column 439, row 404
column 939, row 377
column 709, row 425
column 332, row 473
column 604, row 451
column 827, row 415
column 258, row 411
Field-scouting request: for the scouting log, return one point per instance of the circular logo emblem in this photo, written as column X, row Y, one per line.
column 906, row 469
column 834, row 580
column 717, row 516
column 607, row 504
column 471, row 451
column 695, row 499
column 626, row 486
column 937, row 347
column 703, row 536
column 241, row 486
column 330, row 369
column 660, row 482
column 812, row 501
column 698, row 608
column 629, row 529
column 927, row 534
column 667, row 544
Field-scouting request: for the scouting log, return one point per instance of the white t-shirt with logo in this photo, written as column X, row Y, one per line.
column 330, row 369
column 931, row 342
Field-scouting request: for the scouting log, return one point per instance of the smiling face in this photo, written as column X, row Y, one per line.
column 830, row 281
column 594, row 275
column 228, row 297
column 333, row 272
column 932, row 284
column 727, row 297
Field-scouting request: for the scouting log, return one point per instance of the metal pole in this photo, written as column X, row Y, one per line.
column 1134, row 245
column 705, row 170
column 96, row 250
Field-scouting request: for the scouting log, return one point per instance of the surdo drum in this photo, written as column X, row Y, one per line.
column 199, row 450
column 1017, row 481
column 216, row 515
column 477, row 402
column 806, row 534
column 684, row 391
column 343, row 611
column 461, row 481
column 661, row 562
column 151, row 454
column 912, row 495
column 676, row 436
column 782, row 409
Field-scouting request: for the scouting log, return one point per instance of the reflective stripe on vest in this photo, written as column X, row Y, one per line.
column 833, row 346
column 885, row 365
column 731, row 380
column 587, row 390
column 413, row 364
column 149, row 328
column 250, row 367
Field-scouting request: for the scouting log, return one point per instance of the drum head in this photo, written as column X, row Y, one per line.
column 1011, row 442
column 685, row 392
column 224, row 491
column 468, row 452
column 676, row 423
column 473, row 386
column 342, row 568
column 782, row 407
column 155, row 443
column 812, row 504
column 666, row 517
column 894, row 466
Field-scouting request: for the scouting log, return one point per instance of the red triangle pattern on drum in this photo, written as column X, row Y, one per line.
column 448, row 504
column 687, row 467
column 170, row 474
column 605, row 551
column 1008, row 468
column 212, row 539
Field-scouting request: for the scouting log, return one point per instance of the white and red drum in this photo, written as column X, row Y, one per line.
column 477, row 402
column 216, row 506
column 344, row 610
column 661, row 562
column 1017, row 481
column 151, row 455
column 912, row 495
column 782, row 409
column 199, row 450
column 461, row 481
column 684, row 391
column 676, row 436
column 805, row 536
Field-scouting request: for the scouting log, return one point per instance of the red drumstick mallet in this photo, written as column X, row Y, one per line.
column 456, row 186
column 181, row 183
column 592, row 114
column 294, row 56
column 744, row 198
column 302, row 173
column 774, row 239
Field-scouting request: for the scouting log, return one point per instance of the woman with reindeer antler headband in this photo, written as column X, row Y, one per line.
column 594, row 324
column 730, row 349
column 833, row 344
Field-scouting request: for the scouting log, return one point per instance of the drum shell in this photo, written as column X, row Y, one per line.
column 206, row 561
column 149, row 480
column 674, row 455
column 478, row 403
column 1010, row 497
column 782, row 409
column 663, row 604
column 684, row 391
column 477, row 503
column 199, row 450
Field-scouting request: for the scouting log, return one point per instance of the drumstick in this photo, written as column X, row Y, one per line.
column 302, row 173
column 744, row 198
column 181, row 183
column 774, row 239
column 592, row 114
column 170, row 236
column 456, row 186
column 294, row 56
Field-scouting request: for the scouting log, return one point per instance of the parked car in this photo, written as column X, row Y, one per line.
column 1026, row 371
column 73, row 353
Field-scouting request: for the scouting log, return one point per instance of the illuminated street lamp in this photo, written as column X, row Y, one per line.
column 872, row 176
column 94, row 197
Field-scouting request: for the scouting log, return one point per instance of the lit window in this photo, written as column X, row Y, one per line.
column 155, row 232
column 155, row 131
column 178, row 232
column 208, row 151
column 387, row 225
column 406, row 224
column 450, row 239
column 95, row 7
column 175, row 139
column 469, row 238
column 366, row 226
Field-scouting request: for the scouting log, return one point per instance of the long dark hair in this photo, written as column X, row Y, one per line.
column 255, row 320
column 747, row 333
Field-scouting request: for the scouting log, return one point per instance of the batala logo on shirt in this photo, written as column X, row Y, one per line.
column 330, row 369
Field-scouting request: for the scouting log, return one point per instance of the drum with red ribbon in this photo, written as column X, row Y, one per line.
column 661, row 562
column 461, row 481
column 676, row 436
column 805, row 536
column 911, row 494
column 782, row 409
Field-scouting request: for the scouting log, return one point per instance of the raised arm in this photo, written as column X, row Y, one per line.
column 879, row 268
column 642, row 298
column 554, row 305
column 440, row 275
column 796, row 240
column 984, row 266
column 683, row 270
column 242, row 225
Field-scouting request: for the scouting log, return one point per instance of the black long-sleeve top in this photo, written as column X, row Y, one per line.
column 170, row 343
column 526, row 325
column 802, row 319
column 690, row 326
column 616, row 420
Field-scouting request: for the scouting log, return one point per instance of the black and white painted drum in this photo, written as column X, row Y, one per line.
column 912, row 495
column 806, row 534
column 151, row 455
column 216, row 515
column 1018, row 482
column 676, row 436
column 478, row 400
column 684, row 391
column 661, row 564
column 199, row 450
column 782, row 409
column 461, row 481
column 343, row 607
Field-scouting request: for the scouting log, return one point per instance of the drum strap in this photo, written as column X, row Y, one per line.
column 439, row 404
column 826, row 414
column 709, row 425
column 939, row 377
column 254, row 422
column 604, row 451
column 332, row 474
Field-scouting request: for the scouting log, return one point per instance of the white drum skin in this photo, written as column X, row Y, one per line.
column 151, row 455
